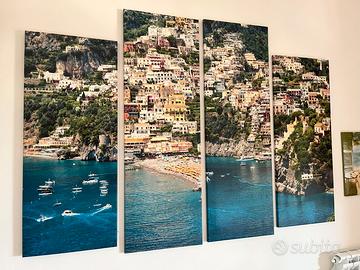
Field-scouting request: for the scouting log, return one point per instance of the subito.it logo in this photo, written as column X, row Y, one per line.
column 280, row 248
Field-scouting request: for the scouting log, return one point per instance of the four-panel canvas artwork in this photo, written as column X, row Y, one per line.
column 71, row 113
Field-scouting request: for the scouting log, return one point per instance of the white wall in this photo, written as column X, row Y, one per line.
column 323, row 28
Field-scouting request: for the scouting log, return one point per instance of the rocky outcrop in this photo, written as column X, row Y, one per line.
column 286, row 180
column 285, row 177
column 77, row 64
column 230, row 149
column 98, row 153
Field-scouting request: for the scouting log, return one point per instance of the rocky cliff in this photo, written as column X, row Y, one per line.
column 288, row 180
column 230, row 149
column 78, row 64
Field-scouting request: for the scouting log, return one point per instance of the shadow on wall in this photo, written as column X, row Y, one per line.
column 325, row 260
column 17, row 142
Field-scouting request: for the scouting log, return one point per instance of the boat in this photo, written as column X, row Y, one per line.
column 208, row 179
column 97, row 205
column 45, row 193
column 90, row 181
column 107, row 206
column 103, row 192
column 246, row 158
column 42, row 187
column 104, row 182
column 223, row 175
column 57, row 204
column 45, row 190
column 92, row 174
column 209, row 173
column 43, row 218
column 242, row 164
column 50, row 182
column 68, row 213
column 77, row 190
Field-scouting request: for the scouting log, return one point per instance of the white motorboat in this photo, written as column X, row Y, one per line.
column 90, row 181
column 104, row 182
column 43, row 187
column 50, row 182
column 246, row 158
column 92, row 174
column 45, row 190
column 43, row 218
column 77, row 190
column 69, row 213
column 210, row 173
column 103, row 192
column 107, row 206
column 46, row 193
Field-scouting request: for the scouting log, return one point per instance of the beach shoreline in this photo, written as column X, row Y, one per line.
column 40, row 155
column 186, row 168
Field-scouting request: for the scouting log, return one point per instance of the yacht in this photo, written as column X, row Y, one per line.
column 90, row 181
column 92, row 174
column 77, row 190
column 246, row 158
column 103, row 192
column 104, row 182
column 50, row 182
column 107, row 206
column 45, row 190
column 68, row 213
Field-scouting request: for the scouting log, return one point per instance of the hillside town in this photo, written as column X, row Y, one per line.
column 161, row 95
column 302, row 125
column 64, row 92
column 237, row 97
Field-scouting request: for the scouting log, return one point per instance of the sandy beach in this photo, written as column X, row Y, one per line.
column 185, row 167
column 37, row 154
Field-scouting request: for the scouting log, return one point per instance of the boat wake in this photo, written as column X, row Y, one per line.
column 43, row 218
column 105, row 207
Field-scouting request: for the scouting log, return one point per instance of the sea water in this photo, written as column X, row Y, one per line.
column 94, row 225
column 239, row 198
column 298, row 210
column 161, row 211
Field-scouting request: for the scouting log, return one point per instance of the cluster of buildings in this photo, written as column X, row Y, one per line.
column 295, row 89
column 105, row 85
column 160, row 82
column 309, row 89
column 250, row 95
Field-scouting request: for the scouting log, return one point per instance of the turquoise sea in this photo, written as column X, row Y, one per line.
column 93, row 226
column 294, row 210
column 239, row 198
column 161, row 211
